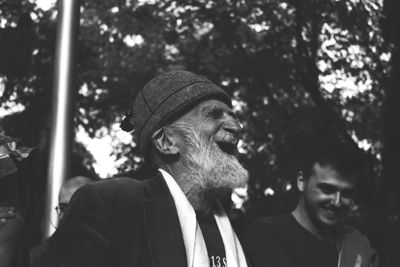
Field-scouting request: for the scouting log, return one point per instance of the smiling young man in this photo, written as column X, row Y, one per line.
column 313, row 234
column 185, row 126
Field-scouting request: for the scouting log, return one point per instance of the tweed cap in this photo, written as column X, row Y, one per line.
column 165, row 97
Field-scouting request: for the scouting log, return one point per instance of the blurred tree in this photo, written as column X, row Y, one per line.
column 295, row 69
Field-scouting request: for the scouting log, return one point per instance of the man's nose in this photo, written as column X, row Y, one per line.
column 337, row 199
column 232, row 125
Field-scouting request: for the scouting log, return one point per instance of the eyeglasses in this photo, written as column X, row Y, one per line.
column 62, row 208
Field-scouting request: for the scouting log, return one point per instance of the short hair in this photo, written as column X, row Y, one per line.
column 76, row 182
column 73, row 184
column 346, row 159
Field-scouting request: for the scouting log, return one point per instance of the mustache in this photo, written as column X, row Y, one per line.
column 227, row 138
column 227, row 143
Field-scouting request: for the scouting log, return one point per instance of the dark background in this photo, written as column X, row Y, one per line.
column 296, row 70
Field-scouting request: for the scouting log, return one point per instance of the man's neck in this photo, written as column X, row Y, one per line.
column 326, row 234
column 199, row 200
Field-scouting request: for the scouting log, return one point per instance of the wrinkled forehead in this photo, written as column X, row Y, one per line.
column 207, row 106
column 203, row 109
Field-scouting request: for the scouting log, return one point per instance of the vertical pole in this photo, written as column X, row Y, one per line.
column 63, row 107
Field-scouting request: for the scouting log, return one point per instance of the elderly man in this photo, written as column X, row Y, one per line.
column 313, row 234
column 185, row 126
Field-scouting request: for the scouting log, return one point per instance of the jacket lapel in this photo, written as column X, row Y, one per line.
column 165, row 241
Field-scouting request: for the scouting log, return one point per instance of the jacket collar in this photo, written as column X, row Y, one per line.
column 165, row 241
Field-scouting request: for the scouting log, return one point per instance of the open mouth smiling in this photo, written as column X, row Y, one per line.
column 228, row 146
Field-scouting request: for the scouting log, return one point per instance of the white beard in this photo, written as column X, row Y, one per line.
column 209, row 168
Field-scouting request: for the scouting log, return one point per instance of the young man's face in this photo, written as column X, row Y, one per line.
column 328, row 195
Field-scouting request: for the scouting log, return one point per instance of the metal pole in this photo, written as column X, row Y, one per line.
column 63, row 107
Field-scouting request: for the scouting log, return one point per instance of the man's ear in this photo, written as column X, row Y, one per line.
column 164, row 142
column 300, row 181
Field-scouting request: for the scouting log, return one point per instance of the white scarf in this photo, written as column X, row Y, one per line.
column 195, row 246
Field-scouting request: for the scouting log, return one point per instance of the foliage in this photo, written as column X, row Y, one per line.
column 295, row 69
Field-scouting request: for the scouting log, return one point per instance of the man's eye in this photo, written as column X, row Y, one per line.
column 327, row 189
column 348, row 193
column 216, row 113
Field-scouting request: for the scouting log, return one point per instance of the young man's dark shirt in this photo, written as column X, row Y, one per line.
column 282, row 242
column 213, row 239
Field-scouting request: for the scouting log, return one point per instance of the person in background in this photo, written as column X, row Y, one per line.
column 66, row 192
column 12, row 224
column 313, row 234
column 185, row 126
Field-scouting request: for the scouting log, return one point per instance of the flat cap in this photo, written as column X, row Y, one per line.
column 165, row 96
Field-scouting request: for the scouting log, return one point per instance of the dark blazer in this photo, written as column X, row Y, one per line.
column 119, row 222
